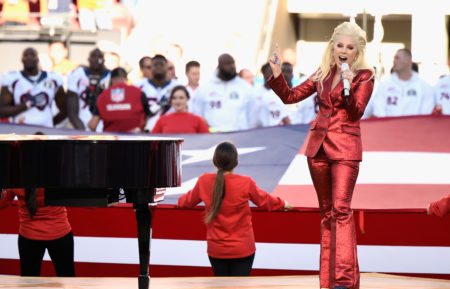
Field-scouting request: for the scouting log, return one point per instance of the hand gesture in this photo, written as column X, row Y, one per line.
column 275, row 61
column 39, row 100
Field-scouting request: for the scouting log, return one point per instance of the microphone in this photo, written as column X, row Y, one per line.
column 345, row 67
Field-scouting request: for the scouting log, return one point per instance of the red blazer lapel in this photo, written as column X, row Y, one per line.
column 326, row 91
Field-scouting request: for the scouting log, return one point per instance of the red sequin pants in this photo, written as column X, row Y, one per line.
column 334, row 181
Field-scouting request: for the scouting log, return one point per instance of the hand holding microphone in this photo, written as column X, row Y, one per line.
column 346, row 75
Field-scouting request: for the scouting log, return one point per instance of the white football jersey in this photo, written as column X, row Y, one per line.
column 368, row 112
column 192, row 93
column 77, row 82
column 154, row 95
column 23, row 87
column 305, row 111
column 260, row 91
column 226, row 105
column 442, row 93
column 272, row 110
column 140, row 82
column 395, row 97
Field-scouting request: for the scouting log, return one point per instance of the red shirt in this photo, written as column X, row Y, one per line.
column 230, row 233
column 122, row 108
column 180, row 122
column 49, row 223
column 440, row 208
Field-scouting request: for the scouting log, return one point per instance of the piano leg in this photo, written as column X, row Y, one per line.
column 144, row 223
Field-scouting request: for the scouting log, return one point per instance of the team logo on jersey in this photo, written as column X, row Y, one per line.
column 411, row 92
column 234, row 95
column 118, row 94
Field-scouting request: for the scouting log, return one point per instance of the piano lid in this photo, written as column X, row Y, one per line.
column 21, row 137
column 92, row 161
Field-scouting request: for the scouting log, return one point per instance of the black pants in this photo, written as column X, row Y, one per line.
column 232, row 267
column 60, row 250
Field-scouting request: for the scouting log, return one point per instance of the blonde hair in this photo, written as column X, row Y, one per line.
column 350, row 29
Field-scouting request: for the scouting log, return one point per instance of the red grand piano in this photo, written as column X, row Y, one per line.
column 95, row 171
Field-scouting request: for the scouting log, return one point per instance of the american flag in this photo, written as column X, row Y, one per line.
column 405, row 166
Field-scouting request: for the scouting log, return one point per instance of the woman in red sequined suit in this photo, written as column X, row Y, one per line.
column 334, row 148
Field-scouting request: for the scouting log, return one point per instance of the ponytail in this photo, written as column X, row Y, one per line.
column 225, row 159
column 218, row 195
column 30, row 201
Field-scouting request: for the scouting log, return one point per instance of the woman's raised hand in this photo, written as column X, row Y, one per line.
column 275, row 61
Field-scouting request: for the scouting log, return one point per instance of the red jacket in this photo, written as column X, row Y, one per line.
column 440, row 208
column 336, row 126
column 122, row 108
column 230, row 233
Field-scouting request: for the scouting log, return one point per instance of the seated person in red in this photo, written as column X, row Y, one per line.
column 41, row 228
column 439, row 208
column 180, row 121
column 122, row 107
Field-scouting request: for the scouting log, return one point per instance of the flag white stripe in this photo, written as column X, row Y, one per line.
column 388, row 259
column 384, row 168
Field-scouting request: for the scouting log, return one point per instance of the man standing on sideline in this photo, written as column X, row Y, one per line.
column 404, row 93
column 58, row 53
column 145, row 67
column 157, row 90
column 442, row 95
column 171, row 73
column 84, row 85
column 27, row 95
column 247, row 75
column 122, row 107
column 227, row 101
column 193, row 77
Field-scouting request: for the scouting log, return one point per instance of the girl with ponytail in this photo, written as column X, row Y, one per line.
column 230, row 238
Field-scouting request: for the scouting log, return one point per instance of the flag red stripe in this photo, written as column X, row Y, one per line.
column 371, row 196
column 395, row 227
column 383, row 227
column 418, row 133
column 411, row 133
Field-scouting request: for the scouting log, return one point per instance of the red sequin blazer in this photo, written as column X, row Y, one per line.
column 336, row 126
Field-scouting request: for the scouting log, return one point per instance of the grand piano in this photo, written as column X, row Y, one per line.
column 95, row 171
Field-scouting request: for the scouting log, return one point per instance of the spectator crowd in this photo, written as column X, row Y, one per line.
column 101, row 96
column 90, row 15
